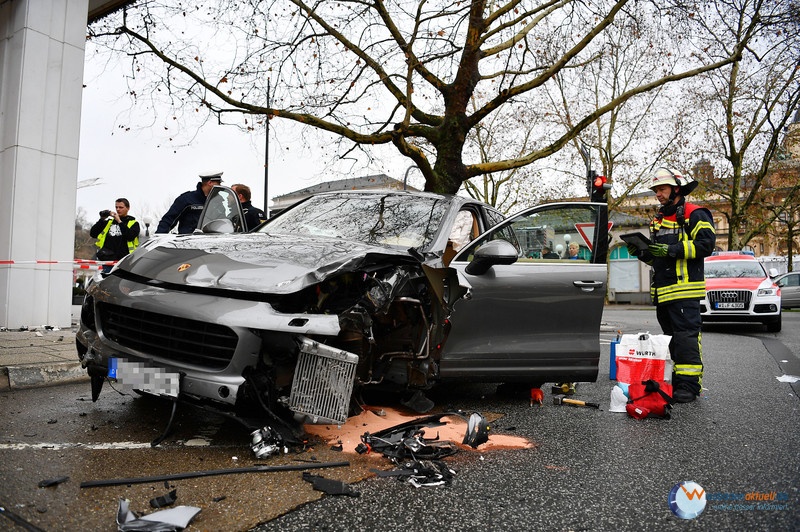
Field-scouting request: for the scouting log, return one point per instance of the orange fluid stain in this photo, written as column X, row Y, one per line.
column 349, row 434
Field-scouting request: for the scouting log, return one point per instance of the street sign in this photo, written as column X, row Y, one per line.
column 586, row 230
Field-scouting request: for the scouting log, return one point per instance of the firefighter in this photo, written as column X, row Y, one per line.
column 682, row 235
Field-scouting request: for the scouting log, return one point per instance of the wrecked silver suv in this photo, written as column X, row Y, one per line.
column 347, row 290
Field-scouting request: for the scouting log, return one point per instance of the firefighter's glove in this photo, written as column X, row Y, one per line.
column 658, row 250
column 633, row 251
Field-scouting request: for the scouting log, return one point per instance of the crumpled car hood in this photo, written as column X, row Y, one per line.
column 255, row 262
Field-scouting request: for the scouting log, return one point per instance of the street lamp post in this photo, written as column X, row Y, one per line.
column 787, row 218
column 405, row 178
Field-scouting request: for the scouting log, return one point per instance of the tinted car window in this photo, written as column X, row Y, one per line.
column 396, row 220
column 223, row 203
column 544, row 234
column 494, row 217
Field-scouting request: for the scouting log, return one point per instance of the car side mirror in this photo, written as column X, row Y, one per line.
column 773, row 272
column 491, row 253
column 220, row 225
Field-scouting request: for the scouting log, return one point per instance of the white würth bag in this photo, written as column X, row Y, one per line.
column 643, row 356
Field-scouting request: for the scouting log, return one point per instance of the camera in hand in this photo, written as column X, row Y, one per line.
column 105, row 213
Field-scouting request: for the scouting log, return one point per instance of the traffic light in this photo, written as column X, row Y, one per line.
column 598, row 185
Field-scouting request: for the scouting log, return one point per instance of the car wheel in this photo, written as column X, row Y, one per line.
column 774, row 326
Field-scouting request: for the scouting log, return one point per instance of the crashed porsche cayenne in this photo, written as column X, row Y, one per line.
column 348, row 290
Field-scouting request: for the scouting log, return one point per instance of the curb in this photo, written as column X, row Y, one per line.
column 33, row 375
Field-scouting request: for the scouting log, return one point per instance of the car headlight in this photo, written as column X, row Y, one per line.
column 767, row 291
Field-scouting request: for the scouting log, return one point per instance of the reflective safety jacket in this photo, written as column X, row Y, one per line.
column 117, row 242
column 688, row 230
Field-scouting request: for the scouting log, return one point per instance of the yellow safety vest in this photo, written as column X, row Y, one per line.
column 101, row 238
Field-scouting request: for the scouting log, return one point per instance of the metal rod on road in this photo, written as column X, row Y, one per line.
column 209, row 473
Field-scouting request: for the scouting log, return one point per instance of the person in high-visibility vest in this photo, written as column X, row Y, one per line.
column 682, row 235
column 117, row 233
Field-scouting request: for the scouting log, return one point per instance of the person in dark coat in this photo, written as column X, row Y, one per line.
column 253, row 216
column 186, row 209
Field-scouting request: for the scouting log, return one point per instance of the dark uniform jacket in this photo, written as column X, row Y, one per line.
column 688, row 230
column 253, row 216
column 185, row 212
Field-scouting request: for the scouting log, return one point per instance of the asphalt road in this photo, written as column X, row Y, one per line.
column 588, row 470
column 597, row 470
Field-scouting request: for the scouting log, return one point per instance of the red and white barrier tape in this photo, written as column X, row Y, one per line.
column 78, row 264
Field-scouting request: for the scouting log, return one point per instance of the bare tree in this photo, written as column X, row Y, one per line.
column 382, row 73
column 639, row 133
column 84, row 244
column 508, row 190
column 748, row 105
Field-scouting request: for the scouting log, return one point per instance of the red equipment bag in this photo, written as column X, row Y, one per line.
column 650, row 399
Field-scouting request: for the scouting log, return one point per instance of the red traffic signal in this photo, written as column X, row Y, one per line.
column 599, row 186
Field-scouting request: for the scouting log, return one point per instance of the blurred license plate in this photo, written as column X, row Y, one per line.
column 137, row 376
column 730, row 305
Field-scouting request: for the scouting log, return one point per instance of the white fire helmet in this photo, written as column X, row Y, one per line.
column 665, row 176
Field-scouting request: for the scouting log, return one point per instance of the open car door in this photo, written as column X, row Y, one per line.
column 222, row 212
column 535, row 310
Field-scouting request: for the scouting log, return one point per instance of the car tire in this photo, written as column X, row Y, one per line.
column 774, row 325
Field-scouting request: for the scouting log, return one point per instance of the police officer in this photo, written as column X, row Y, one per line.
column 186, row 209
column 117, row 233
column 682, row 235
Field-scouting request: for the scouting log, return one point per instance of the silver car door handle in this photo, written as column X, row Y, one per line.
column 588, row 286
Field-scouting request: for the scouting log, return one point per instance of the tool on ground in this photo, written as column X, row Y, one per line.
column 566, row 388
column 537, row 396
column 573, row 402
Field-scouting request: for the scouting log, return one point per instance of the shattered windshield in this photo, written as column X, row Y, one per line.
column 387, row 220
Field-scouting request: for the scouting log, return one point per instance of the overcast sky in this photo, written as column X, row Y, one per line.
column 143, row 166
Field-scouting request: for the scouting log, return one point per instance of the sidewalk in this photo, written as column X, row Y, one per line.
column 40, row 357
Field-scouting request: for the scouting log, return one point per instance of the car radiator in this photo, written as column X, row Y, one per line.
column 323, row 382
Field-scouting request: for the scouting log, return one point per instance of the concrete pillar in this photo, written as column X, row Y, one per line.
column 41, row 75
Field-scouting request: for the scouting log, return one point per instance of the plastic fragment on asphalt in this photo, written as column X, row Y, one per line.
column 421, row 473
column 788, row 378
column 477, row 430
column 164, row 500
column 330, row 486
column 176, row 518
column 52, row 482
